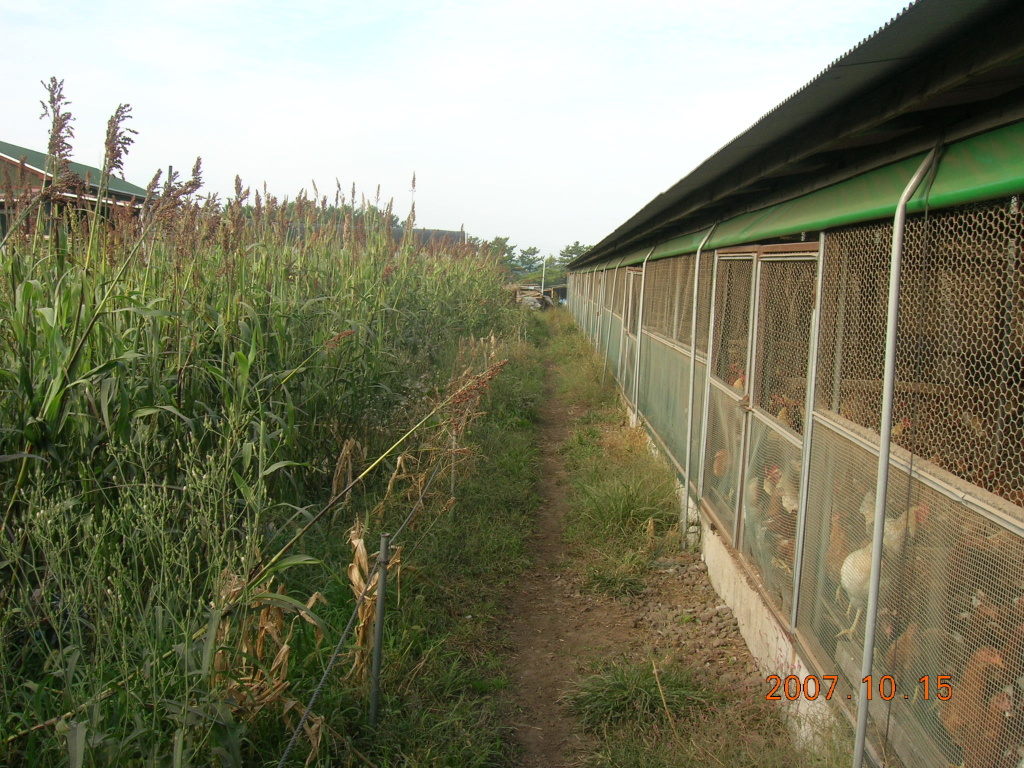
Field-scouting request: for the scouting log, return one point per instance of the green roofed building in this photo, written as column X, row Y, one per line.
column 822, row 327
column 23, row 171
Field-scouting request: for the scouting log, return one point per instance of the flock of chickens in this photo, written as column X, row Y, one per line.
column 973, row 631
column 976, row 636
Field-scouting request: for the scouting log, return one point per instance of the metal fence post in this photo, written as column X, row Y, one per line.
column 884, row 446
column 712, row 319
column 746, row 418
column 691, row 394
column 378, row 629
column 810, row 395
column 639, row 337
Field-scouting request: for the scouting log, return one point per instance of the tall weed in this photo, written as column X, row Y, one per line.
column 178, row 383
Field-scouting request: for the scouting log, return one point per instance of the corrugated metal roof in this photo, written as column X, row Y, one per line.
column 919, row 30
column 37, row 160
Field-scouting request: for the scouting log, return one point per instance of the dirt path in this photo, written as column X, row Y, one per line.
column 556, row 631
column 559, row 633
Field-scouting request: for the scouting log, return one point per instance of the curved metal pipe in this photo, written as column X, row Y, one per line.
column 692, row 387
column 640, row 334
column 810, row 394
column 884, row 449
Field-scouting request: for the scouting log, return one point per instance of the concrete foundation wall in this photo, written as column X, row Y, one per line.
column 769, row 643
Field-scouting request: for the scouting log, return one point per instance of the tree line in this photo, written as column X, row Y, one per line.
column 526, row 265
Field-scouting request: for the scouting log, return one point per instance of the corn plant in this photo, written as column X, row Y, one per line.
column 179, row 378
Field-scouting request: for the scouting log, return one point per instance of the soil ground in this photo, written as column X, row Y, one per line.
column 560, row 632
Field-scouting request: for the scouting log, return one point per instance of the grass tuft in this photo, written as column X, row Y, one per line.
column 629, row 693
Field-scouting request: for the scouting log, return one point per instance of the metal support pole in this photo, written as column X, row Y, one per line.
column 640, row 336
column 884, row 447
column 693, row 384
column 678, row 293
column 745, row 417
column 378, row 628
column 810, row 394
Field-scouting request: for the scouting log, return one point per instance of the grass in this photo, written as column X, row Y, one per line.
column 444, row 671
column 628, row 693
column 623, row 506
column 623, row 515
column 731, row 732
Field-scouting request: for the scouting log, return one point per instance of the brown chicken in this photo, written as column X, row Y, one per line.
column 1012, row 653
column 980, row 558
column 917, row 651
column 843, row 538
column 984, row 747
column 969, row 709
column 984, row 623
column 721, row 463
column 906, row 651
column 899, row 429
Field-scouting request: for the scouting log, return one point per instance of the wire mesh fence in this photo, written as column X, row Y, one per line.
column 770, row 506
column 722, row 468
column 953, row 562
column 702, row 293
column 682, row 320
column 732, row 322
column 705, row 283
column 660, row 287
column 772, row 472
column 634, row 284
column 620, row 292
column 664, row 384
column 786, row 302
column 951, row 589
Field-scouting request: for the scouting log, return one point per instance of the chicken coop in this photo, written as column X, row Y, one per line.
column 822, row 327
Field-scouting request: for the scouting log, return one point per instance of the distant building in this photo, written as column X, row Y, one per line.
column 432, row 237
column 23, row 172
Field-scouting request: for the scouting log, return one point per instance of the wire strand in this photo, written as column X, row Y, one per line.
column 351, row 622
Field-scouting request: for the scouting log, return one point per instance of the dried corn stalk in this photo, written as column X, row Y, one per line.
column 651, row 538
column 253, row 652
column 358, row 573
column 352, row 453
column 402, row 472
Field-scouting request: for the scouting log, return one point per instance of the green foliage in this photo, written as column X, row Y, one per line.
column 443, row 670
column 527, row 260
column 740, row 730
column 525, row 266
column 177, row 385
column 621, row 580
column 571, row 252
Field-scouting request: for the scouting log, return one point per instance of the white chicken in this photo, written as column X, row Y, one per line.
column 855, row 576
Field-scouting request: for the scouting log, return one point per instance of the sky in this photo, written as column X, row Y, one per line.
column 545, row 122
